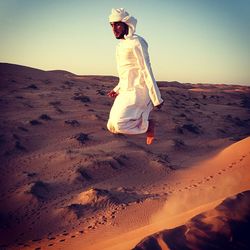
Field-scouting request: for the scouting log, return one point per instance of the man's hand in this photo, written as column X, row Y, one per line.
column 112, row 94
column 159, row 106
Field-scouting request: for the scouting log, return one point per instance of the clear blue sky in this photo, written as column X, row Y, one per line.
column 189, row 40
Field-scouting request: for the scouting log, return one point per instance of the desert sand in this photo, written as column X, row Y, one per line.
column 67, row 183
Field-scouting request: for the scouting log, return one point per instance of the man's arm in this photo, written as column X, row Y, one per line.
column 115, row 91
column 141, row 53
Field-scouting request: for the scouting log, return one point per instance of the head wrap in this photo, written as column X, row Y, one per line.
column 120, row 15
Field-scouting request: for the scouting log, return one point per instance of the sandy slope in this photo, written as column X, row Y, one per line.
column 194, row 190
column 200, row 188
column 224, row 227
column 226, row 175
column 67, row 183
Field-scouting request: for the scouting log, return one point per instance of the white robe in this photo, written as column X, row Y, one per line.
column 137, row 89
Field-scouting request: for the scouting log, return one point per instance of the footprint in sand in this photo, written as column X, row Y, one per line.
column 35, row 240
column 52, row 238
column 243, row 156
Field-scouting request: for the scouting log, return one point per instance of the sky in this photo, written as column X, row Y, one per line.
column 196, row 41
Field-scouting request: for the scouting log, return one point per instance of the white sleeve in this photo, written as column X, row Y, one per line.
column 141, row 53
column 117, row 87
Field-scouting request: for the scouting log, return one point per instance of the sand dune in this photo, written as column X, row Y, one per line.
column 195, row 189
column 226, row 175
column 67, row 183
column 225, row 227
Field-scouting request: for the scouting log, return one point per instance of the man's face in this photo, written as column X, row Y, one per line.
column 120, row 29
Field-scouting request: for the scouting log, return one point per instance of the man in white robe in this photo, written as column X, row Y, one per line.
column 137, row 92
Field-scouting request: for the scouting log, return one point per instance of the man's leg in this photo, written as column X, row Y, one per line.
column 150, row 132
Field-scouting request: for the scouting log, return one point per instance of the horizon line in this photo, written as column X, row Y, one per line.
column 102, row 75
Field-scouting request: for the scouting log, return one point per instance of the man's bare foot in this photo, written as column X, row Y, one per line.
column 150, row 132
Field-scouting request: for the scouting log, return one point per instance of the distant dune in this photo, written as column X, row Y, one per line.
column 67, row 183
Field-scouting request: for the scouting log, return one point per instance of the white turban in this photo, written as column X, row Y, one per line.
column 120, row 15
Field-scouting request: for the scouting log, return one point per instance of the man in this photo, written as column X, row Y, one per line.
column 137, row 91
